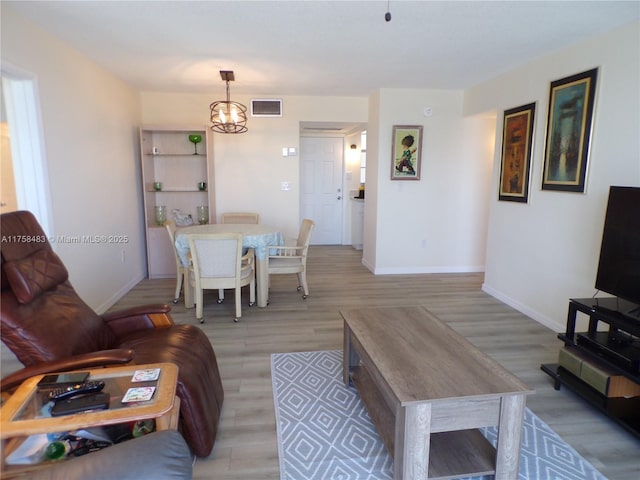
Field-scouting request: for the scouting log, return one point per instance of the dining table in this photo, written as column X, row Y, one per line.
column 257, row 236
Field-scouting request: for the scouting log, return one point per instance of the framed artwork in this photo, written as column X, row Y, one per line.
column 569, row 122
column 406, row 156
column 517, row 144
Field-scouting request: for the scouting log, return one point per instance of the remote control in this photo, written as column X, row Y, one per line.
column 83, row 403
column 77, row 389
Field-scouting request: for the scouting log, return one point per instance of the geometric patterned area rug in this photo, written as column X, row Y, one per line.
column 325, row 433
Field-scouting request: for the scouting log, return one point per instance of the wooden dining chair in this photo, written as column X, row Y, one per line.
column 240, row 217
column 293, row 259
column 182, row 272
column 217, row 262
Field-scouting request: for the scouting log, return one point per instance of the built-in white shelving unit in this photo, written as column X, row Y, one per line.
column 168, row 157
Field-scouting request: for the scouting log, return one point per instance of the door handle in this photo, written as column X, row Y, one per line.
column 339, row 197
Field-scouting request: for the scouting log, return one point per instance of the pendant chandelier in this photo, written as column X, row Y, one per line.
column 228, row 116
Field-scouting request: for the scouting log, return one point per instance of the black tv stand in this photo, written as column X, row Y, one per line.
column 614, row 306
column 624, row 353
column 617, row 349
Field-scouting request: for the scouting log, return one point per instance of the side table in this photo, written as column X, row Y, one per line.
column 20, row 415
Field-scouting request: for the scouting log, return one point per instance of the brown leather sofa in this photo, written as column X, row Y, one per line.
column 49, row 328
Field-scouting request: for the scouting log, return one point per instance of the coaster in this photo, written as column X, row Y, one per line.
column 146, row 375
column 138, row 394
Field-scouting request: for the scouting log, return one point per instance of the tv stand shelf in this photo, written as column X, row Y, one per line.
column 616, row 350
column 622, row 410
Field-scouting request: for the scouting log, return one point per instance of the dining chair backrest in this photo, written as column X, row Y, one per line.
column 216, row 255
column 218, row 263
column 304, row 236
column 170, row 225
column 181, row 270
column 240, row 217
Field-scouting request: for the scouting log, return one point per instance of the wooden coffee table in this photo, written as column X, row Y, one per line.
column 20, row 415
column 428, row 390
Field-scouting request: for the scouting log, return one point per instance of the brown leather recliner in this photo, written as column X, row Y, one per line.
column 49, row 328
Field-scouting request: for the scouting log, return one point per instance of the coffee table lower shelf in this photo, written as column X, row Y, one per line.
column 463, row 453
column 454, row 454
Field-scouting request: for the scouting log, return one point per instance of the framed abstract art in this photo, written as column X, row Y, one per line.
column 569, row 129
column 517, row 145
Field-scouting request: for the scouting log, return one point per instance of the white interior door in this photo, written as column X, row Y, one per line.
column 321, row 187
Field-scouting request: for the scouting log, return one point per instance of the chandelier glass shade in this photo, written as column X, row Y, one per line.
column 228, row 116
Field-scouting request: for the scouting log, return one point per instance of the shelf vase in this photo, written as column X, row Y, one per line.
column 203, row 214
column 161, row 214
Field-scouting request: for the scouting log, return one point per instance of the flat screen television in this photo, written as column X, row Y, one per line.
column 619, row 264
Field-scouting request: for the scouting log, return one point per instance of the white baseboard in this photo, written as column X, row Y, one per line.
column 107, row 304
column 417, row 270
column 368, row 266
column 522, row 308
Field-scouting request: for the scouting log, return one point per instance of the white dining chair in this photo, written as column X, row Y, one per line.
column 240, row 217
column 217, row 262
column 293, row 259
column 182, row 272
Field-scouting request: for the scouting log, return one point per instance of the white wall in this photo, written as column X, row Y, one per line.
column 436, row 224
column 249, row 167
column 90, row 119
column 370, row 236
column 542, row 253
column 537, row 255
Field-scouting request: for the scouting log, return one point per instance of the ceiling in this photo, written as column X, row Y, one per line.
column 343, row 48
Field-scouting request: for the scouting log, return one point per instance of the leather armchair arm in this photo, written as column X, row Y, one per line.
column 136, row 311
column 86, row 360
column 143, row 317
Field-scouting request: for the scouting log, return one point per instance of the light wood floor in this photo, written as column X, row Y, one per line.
column 246, row 447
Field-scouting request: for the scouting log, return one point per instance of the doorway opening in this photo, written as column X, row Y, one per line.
column 24, row 169
column 327, row 177
column 321, row 195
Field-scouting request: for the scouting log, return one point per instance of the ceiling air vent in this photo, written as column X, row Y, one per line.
column 266, row 107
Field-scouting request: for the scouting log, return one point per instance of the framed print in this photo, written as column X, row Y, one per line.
column 517, row 144
column 406, row 157
column 569, row 121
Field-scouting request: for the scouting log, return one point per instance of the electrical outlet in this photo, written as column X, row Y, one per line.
column 285, row 186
